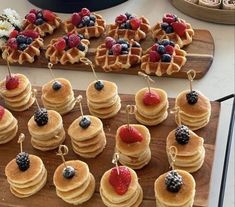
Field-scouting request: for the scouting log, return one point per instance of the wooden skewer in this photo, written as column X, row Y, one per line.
column 148, row 80
column 86, row 61
column 191, row 75
column 130, row 109
column 173, row 153
column 115, row 161
column 79, row 100
column 62, row 151
column 50, row 65
column 20, row 141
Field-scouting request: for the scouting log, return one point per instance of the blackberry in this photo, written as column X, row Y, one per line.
column 122, row 41
column 22, row 160
column 182, row 134
column 69, row 172
column 164, row 25
column 41, row 117
column 124, row 47
column 128, row 15
column 164, row 42
column 192, row 97
column 173, row 181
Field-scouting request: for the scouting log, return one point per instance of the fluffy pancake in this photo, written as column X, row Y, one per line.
column 21, row 103
column 24, row 107
column 6, row 120
column 102, row 105
column 153, row 116
column 9, row 128
column 10, row 136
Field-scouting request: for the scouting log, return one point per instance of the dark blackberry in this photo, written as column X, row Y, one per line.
column 124, row 47
column 122, row 41
column 110, row 52
column 192, row 97
column 128, row 15
column 161, row 49
column 127, row 25
column 22, row 160
column 41, row 117
column 173, row 181
column 182, row 134
column 69, row 172
column 39, row 15
column 164, row 42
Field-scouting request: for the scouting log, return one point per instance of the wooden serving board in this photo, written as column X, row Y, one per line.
column 221, row 16
column 157, row 166
column 200, row 56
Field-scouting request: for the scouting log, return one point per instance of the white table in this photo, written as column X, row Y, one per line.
column 218, row 82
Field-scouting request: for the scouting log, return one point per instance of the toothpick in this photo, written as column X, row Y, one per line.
column 8, row 67
column 177, row 112
column 148, row 80
column 20, row 141
column 130, row 109
column 173, row 153
column 191, row 75
column 86, row 61
column 115, row 161
column 34, row 94
column 79, row 100
column 50, row 65
column 62, row 154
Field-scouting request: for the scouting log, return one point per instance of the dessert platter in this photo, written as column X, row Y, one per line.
column 170, row 47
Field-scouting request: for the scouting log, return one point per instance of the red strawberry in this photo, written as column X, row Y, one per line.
column 169, row 49
column 60, row 45
column 2, row 111
column 35, row 11
column 154, row 56
column 121, row 19
column 14, row 33
column 12, row 82
column 135, row 23
column 116, row 49
column 12, row 43
column 154, row 47
column 130, row 135
column 109, row 42
column 76, row 19
column 85, row 12
column 74, row 40
column 31, row 17
column 179, row 28
column 29, row 33
column 121, row 181
column 151, row 98
column 48, row 15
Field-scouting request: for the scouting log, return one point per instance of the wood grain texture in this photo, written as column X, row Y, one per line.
column 157, row 166
column 222, row 16
column 200, row 56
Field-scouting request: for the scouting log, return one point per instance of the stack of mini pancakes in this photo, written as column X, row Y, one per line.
column 190, row 156
column 20, row 98
column 87, row 142
column 49, row 136
column 26, row 183
column 183, row 198
column 61, row 100
column 154, row 114
column 194, row 116
column 132, row 198
column 104, row 103
column 8, row 127
column 134, row 155
column 79, row 188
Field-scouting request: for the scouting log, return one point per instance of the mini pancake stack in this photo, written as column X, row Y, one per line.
column 103, row 99
column 27, row 182
column 173, row 195
column 87, row 136
column 46, row 129
column 75, row 188
column 132, row 144
column 151, row 107
column 58, row 95
column 8, row 126
column 195, row 110
column 190, row 150
column 18, row 98
column 114, row 195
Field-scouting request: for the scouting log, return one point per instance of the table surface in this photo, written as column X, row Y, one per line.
column 218, row 82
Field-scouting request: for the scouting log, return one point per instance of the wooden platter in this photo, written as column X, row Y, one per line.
column 221, row 16
column 157, row 166
column 200, row 56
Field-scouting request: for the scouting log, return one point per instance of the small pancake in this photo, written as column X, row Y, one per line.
column 196, row 125
column 77, row 133
column 140, row 199
column 9, row 128
column 108, row 92
column 133, row 148
column 188, row 204
column 137, row 157
column 6, row 120
column 9, row 137
column 48, row 103
column 22, row 108
column 102, row 105
column 80, row 177
column 21, row 103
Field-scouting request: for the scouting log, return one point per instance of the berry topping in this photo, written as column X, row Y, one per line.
column 164, row 25
column 31, row 17
column 173, row 181
column 30, row 33
column 155, row 47
column 74, row 40
column 35, row 11
column 39, row 21
column 81, row 47
column 130, row 135
column 60, row 45
column 48, row 15
column 2, row 112
column 76, row 19
column 99, row 85
column 85, row 21
column 179, row 28
column 13, row 34
column 116, row 49
column 192, row 97
column 135, row 23
column 21, row 39
column 22, row 46
column 120, row 179
column 23, row 161
column 85, row 122
column 169, row 29
column 182, row 134
column 85, row 12
column 151, row 98
column 56, row 86
column 68, row 172
column 169, row 49
column 12, row 82
column 154, row 56
column 165, row 42
column 41, row 116
column 161, row 49
column 166, row 58
column 169, row 18
column 121, row 19
column 12, row 43
column 109, row 42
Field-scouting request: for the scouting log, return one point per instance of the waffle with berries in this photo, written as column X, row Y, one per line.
column 175, row 29
column 22, row 47
column 163, row 57
column 176, row 187
column 128, row 26
column 120, row 187
column 86, row 23
column 118, row 55
column 42, row 21
column 67, row 49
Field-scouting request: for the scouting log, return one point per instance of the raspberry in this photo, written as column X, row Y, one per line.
column 85, row 12
column 109, row 42
column 34, row 11
column 135, row 23
column 12, row 43
column 169, row 49
column 154, row 56
column 179, row 28
column 14, row 33
column 73, row 40
column 76, row 19
column 31, row 17
column 60, row 45
column 121, row 19
column 30, row 33
column 12, row 82
column 155, row 47
column 116, row 49
column 48, row 15
column 2, row 112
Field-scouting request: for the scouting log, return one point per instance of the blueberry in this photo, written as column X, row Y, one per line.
column 86, row 20
column 128, row 25
column 110, row 52
column 21, row 39
column 66, row 38
column 122, row 26
column 80, row 25
column 169, row 29
column 136, row 44
column 124, row 47
column 39, row 21
column 68, row 172
column 164, row 25
column 93, row 18
column 22, row 46
column 29, row 40
column 161, row 49
column 124, row 52
column 92, row 23
column 39, row 15
column 56, row 86
column 166, row 58
column 164, row 42
column 121, row 41
column 172, row 43
column 99, row 85
column 85, row 122
column 81, row 47
column 81, row 36
column 128, row 15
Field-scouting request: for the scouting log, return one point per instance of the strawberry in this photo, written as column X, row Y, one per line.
column 154, row 56
column 12, row 82
column 60, row 45
column 120, row 179
column 2, row 112
column 13, row 34
column 135, row 23
column 109, row 42
column 12, row 43
column 121, row 19
column 151, row 98
column 31, row 17
column 30, row 33
column 74, row 40
column 76, row 19
column 130, row 135
column 85, row 12
column 116, row 49
column 48, row 15
column 179, row 28
column 169, row 49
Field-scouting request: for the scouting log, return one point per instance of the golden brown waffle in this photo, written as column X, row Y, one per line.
column 118, row 62
column 114, row 31
column 92, row 31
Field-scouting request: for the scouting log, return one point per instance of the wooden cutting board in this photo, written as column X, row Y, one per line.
column 157, row 166
column 200, row 56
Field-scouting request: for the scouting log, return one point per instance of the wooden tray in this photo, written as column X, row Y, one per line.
column 200, row 56
column 221, row 16
column 157, row 166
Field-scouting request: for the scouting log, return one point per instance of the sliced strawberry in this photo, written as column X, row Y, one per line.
column 14, row 33
column 154, row 56
column 12, row 82
column 179, row 28
column 30, row 33
column 60, row 45
column 74, row 40
column 130, row 135
column 151, row 98
column 135, row 23
column 169, row 49
column 109, row 42
column 2, row 112
column 76, row 19
column 121, row 19
column 85, row 12
column 48, row 15
column 12, row 43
